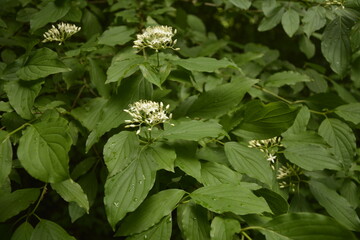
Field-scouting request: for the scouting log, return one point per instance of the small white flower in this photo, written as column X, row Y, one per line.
column 267, row 146
column 61, row 32
column 149, row 113
column 156, row 37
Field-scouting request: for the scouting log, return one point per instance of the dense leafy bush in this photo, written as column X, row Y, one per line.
column 176, row 119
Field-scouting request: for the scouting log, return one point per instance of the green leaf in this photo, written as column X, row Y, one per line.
column 300, row 123
column 341, row 138
column 186, row 159
column 276, row 202
column 22, row 96
column 121, row 68
column 90, row 113
column 214, row 173
column 150, row 212
column 249, row 161
column 162, row 155
column 290, row 21
column 350, row 112
column 40, row 64
column 355, row 36
column 273, row 19
column 118, row 35
column 49, row 230
column 150, row 74
column 336, row 46
column 191, row 130
column 50, row 13
column 224, row 228
column 71, row 191
column 220, row 100
column 6, row 155
column 286, row 78
column 242, row 4
column 307, row 47
column 193, row 222
column 98, row 78
column 126, row 190
column 311, row 157
column 23, row 232
column 306, row 137
column 161, row 230
column 43, row 150
column 306, row 226
column 314, row 19
column 13, row 203
column 120, row 150
column 337, row 206
column 204, row 64
column 270, row 120
column 233, row 198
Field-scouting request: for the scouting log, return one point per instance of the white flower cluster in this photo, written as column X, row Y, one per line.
column 61, row 32
column 267, row 146
column 149, row 113
column 286, row 173
column 156, row 37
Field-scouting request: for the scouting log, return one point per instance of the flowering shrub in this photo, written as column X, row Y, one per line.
column 177, row 119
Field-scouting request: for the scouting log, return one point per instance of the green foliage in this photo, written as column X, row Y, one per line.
column 249, row 129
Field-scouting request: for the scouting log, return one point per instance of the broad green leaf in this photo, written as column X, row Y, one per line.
column 290, row 21
column 286, row 78
column 150, row 212
column 306, row 226
column 335, row 45
column 98, row 78
column 71, row 191
column 220, row 100
column 341, row 138
column 242, row 4
column 350, row 112
column 273, row 19
column 41, row 63
column 311, row 157
column 150, row 74
column 118, row 35
column 300, row 123
column 204, row 64
column 193, row 222
column 355, row 36
column 230, row 198
column 314, row 19
column 122, row 68
column 186, row 159
column 161, row 230
column 307, row 47
column 270, row 120
column 13, row 203
column 126, row 190
column 214, row 173
column 343, row 93
column 162, row 155
column 23, row 232
column 337, row 206
column 249, row 161
column 22, row 96
column 224, row 228
column 306, row 137
column 319, row 84
column 50, row 13
column 43, row 150
column 49, row 230
column 120, row 150
column 276, row 202
column 6, row 155
column 192, row 130
column 90, row 113
column 349, row 190
column 268, row 6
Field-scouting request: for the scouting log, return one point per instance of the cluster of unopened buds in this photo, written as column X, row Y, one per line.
column 156, row 37
column 267, row 146
column 289, row 176
column 335, row 2
column 147, row 113
column 60, row 32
